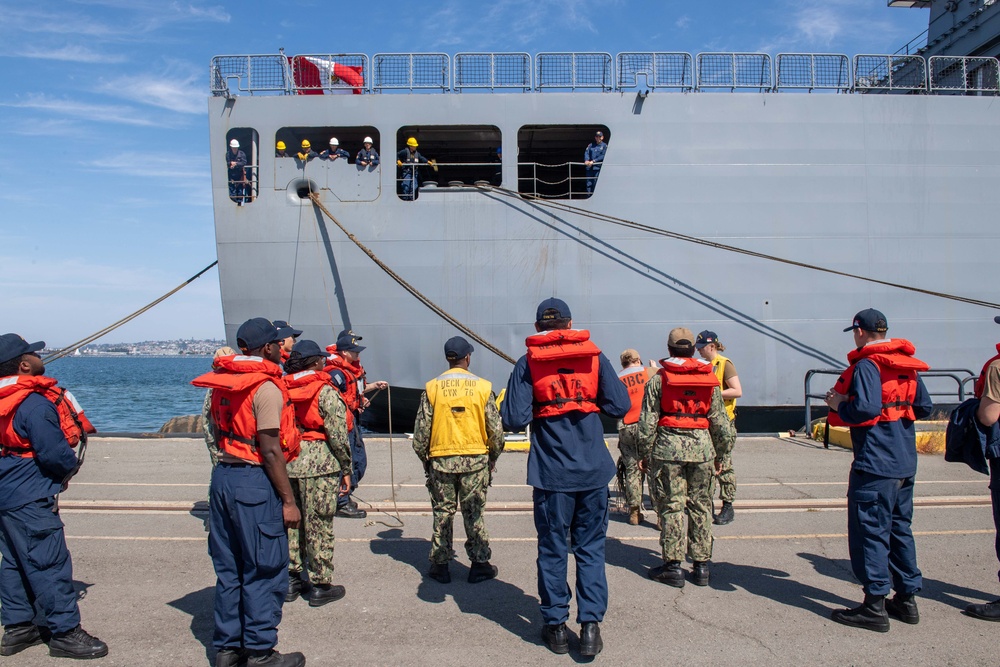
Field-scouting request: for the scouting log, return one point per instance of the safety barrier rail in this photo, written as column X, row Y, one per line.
column 655, row 70
column 315, row 73
column 813, row 71
column 961, row 376
column 411, row 71
column 246, row 190
column 553, row 181
column 277, row 74
column 881, row 72
column 574, row 70
column 492, row 71
column 964, row 74
column 734, row 71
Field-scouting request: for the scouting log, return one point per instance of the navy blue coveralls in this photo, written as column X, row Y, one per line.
column 595, row 151
column 36, row 567
column 237, row 175
column 249, row 550
column 880, row 490
column 359, row 457
column 569, row 468
column 411, row 171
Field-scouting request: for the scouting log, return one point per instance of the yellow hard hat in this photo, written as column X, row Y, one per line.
column 280, row 145
column 305, row 143
column 411, row 142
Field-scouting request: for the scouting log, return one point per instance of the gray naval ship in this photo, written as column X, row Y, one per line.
column 874, row 166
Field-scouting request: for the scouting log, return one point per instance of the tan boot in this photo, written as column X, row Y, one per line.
column 635, row 516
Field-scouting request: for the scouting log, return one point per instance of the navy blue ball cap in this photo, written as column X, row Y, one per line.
column 348, row 342
column 256, row 333
column 285, row 330
column 706, row 337
column 13, row 346
column 308, row 348
column 457, row 348
column 552, row 309
column 997, row 319
column 869, row 319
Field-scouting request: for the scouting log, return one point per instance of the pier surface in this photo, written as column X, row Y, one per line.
column 135, row 526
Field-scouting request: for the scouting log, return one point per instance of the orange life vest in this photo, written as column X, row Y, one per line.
column 15, row 388
column 354, row 372
column 897, row 369
column 686, row 392
column 303, row 389
column 564, row 372
column 233, row 384
column 634, row 379
column 980, row 385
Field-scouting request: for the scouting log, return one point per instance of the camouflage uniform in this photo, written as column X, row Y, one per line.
column 206, row 427
column 628, row 445
column 455, row 481
column 727, row 478
column 315, row 477
column 681, row 468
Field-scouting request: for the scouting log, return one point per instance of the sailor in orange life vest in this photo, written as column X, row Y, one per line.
column 39, row 423
column 559, row 387
column 288, row 337
column 348, row 376
column 710, row 348
column 634, row 376
column 684, row 435
column 879, row 396
column 318, row 474
column 251, row 500
column 987, row 390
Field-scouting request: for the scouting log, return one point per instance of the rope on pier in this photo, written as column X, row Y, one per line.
column 440, row 312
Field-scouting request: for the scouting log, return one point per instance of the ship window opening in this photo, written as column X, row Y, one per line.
column 351, row 140
column 305, row 188
column 550, row 160
column 241, row 164
column 457, row 155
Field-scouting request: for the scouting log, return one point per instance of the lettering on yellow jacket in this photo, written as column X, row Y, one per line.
column 459, row 401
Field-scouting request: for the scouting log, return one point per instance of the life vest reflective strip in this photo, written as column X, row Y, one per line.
column 686, row 392
column 980, row 385
column 458, row 427
column 233, row 384
column 634, row 379
column 303, row 389
column 564, row 366
column 898, row 370
column 15, row 388
column 719, row 366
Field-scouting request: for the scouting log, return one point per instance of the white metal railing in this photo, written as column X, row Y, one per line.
column 573, row 71
column 655, row 70
column 890, row 72
column 734, row 71
column 318, row 73
column 492, row 71
column 249, row 74
column 410, row 71
column 964, row 74
column 813, row 71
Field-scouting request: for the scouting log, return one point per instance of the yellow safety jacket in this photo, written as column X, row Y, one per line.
column 459, row 400
column 719, row 366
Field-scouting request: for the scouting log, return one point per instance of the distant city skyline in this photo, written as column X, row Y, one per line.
column 106, row 188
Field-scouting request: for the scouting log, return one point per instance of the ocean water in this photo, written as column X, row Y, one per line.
column 132, row 394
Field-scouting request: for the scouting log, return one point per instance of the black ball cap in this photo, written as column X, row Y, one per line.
column 869, row 319
column 457, row 348
column 13, row 346
column 308, row 348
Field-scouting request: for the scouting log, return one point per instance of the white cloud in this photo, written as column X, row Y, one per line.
column 167, row 167
column 683, row 22
column 181, row 94
column 94, row 112
column 69, row 53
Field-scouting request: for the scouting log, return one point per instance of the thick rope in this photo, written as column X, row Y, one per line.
column 729, row 248
column 440, row 312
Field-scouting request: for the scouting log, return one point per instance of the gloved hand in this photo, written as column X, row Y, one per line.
column 399, row 163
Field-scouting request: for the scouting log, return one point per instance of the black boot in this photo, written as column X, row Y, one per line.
column 274, row 659
column 699, row 573
column 985, row 612
column 439, row 572
column 903, row 607
column 324, row 593
column 670, row 574
column 725, row 515
column 482, row 572
column 556, row 638
column 76, row 644
column 869, row 616
column 230, row 657
column 590, row 639
column 16, row 638
column 348, row 511
column 295, row 586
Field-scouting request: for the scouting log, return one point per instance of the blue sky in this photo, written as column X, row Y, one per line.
column 104, row 174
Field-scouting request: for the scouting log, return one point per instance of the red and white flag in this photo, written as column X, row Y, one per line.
column 312, row 75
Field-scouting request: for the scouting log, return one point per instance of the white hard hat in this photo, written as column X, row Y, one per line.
column 234, row 144
column 368, row 140
column 334, row 142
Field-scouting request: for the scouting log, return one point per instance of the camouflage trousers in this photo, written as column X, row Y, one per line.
column 310, row 546
column 628, row 437
column 681, row 485
column 727, row 481
column 449, row 491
